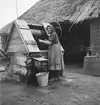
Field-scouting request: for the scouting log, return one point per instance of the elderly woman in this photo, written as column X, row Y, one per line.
column 55, row 53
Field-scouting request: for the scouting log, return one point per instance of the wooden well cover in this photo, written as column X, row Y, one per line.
column 27, row 36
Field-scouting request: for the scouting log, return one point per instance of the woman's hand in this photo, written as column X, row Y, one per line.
column 45, row 42
column 40, row 40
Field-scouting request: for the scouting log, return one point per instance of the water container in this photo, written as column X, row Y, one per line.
column 42, row 78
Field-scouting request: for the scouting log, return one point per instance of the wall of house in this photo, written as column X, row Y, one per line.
column 92, row 63
column 16, row 44
column 95, row 35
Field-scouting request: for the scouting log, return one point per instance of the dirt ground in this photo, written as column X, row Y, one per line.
column 74, row 89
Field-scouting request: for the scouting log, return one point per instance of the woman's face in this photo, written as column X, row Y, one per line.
column 49, row 30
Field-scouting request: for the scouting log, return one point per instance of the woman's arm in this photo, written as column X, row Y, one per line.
column 45, row 42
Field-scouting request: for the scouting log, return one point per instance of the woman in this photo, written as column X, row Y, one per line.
column 55, row 53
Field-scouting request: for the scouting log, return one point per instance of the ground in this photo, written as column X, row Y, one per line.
column 75, row 89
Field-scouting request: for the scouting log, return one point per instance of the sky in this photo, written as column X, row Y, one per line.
column 8, row 9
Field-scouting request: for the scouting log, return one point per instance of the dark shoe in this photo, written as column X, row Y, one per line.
column 52, row 79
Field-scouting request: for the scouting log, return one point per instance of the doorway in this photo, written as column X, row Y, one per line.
column 75, row 40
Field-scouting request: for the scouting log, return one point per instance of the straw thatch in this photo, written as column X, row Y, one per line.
column 60, row 10
column 6, row 29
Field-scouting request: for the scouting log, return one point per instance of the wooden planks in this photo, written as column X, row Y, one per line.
column 16, row 44
column 16, row 41
column 21, row 39
column 33, row 48
column 16, row 48
column 28, row 36
column 29, row 40
column 22, row 24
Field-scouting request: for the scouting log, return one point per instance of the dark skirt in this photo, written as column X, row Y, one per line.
column 55, row 73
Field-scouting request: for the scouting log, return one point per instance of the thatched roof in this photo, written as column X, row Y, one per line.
column 60, row 10
column 6, row 29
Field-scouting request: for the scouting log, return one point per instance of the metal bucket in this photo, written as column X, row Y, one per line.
column 42, row 78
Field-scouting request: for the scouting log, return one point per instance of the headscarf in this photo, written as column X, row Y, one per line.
column 52, row 28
